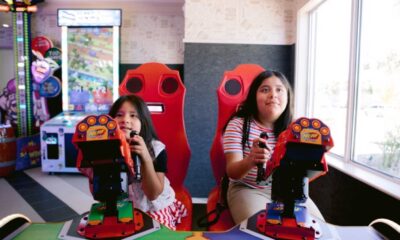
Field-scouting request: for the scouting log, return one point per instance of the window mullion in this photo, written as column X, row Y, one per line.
column 310, row 91
column 353, row 79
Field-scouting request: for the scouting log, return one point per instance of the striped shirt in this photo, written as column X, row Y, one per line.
column 233, row 144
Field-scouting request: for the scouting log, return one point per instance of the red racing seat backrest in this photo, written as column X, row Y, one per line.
column 231, row 92
column 163, row 91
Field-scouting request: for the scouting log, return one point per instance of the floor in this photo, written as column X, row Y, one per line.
column 54, row 198
column 60, row 197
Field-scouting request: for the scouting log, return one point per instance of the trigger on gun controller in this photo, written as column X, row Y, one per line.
column 263, row 135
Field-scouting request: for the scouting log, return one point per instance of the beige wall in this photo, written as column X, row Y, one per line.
column 156, row 30
column 241, row 21
column 7, row 67
column 6, row 52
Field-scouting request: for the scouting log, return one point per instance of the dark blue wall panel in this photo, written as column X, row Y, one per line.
column 345, row 201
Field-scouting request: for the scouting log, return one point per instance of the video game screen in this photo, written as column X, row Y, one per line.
column 90, row 68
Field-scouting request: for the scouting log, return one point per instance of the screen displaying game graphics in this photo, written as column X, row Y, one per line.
column 90, row 68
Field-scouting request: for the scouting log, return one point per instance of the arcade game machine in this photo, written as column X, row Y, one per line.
column 90, row 74
column 21, row 11
column 299, row 154
column 103, row 150
column 18, row 99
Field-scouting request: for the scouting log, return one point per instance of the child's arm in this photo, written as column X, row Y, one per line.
column 152, row 181
column 88, row 172
column 238, row 166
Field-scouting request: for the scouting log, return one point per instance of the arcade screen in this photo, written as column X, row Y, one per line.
column 90, row 68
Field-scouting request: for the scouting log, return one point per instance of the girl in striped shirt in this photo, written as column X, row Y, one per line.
column 267, row 108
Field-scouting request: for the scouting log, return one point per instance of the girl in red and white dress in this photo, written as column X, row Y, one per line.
column 153, row 194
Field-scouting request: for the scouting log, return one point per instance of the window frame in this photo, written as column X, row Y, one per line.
column 303, row 102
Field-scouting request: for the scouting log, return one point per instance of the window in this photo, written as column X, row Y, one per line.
column 348, row 75
column 377, row 135
column 330, row 68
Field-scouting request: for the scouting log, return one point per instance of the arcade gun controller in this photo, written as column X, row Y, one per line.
column 104, row 151
column 297, row 159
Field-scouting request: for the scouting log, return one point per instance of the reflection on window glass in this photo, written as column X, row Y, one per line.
column 377, row 139
column 331, row 67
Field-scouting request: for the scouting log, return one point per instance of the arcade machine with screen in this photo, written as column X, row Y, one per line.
column 90, row 74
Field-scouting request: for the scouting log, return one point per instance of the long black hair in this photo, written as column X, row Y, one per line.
column 147, row 130
column 248, row 108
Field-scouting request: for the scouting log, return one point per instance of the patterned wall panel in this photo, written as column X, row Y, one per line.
column 241, row 21
column 149, row 37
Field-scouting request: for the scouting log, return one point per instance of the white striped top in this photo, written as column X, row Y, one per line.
column 233, row 144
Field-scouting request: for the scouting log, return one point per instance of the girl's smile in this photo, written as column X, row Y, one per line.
column 127, row 119
column 271, row 100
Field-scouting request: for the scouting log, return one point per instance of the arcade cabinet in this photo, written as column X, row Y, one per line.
column 22, row 11
column 103, row 150
column 297, row 159
column 90, row 79
column 299, row 153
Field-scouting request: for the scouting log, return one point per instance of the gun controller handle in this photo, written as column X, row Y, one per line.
column 261, row 166
column 136, row 161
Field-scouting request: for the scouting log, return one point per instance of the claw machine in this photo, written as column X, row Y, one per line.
column 90, row 80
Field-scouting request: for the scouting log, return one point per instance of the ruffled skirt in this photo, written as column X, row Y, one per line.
column 171, row 215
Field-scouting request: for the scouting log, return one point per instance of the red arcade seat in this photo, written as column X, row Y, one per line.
column 162, row 89
column 231, row 92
